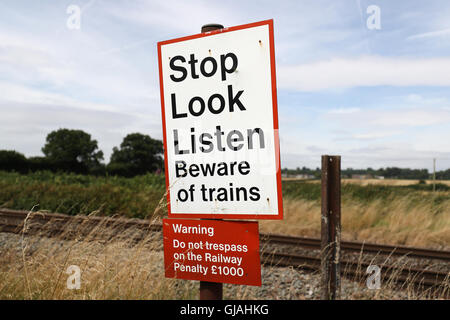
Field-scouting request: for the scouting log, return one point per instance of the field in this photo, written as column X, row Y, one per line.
column 390, row 212
column 36, row 267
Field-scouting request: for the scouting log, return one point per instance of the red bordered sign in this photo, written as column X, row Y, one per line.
column 220, row 124
column 206, row 250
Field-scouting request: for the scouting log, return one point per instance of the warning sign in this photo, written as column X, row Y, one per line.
column 220, row 124
column 209, row 250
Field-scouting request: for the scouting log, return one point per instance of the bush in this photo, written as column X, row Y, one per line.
column 13, row 161
column 120, row 169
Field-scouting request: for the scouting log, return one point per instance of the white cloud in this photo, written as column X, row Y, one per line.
column 365, row 71
column 344, row 110
column 75, row 64
column 183, row 17
column 25, row 95
column 411, row 118
column 432, row 34
column 394, row 117
column 373, row 135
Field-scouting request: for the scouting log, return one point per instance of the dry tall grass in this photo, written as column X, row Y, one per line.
column 396, row 222
column 113, row 266
column 121, row 265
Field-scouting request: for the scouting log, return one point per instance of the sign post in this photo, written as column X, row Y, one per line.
column 221, row 141
column 211, row 290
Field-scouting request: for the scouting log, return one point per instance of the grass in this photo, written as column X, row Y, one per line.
column 403, row 220
column 382, row 213
column 406, row 215
column 77, row 194
column 114, row 267
column 36, row 268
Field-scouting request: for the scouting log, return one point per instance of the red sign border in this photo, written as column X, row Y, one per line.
column 279, row 216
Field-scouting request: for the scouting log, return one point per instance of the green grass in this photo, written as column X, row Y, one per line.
column 78, row 194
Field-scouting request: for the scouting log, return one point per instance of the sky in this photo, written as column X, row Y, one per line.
column 367, row 80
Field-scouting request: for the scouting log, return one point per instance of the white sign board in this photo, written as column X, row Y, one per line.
column 220, row 124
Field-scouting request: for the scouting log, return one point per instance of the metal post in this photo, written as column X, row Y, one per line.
column 434, row 174
column 211, row 27
column 211, row 290
column 331, row 227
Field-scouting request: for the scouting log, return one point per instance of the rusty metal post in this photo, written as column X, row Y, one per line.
column 331, row 228
column 211, row 290
column 211, row 27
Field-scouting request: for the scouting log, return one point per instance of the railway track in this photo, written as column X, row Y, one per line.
column 356, row 270
column 352, row 246
column 12, row 221
column 56, row 224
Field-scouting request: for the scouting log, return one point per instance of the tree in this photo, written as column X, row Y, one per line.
column 41, row 164
column 138, row 154
column 13, row 161
column 72, row 150
column 443, row 175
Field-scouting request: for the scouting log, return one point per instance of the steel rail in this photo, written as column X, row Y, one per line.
column 357, row 270
column 353, row 246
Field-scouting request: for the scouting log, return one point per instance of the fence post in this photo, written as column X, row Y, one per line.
column 331, row 228
column 211, row 290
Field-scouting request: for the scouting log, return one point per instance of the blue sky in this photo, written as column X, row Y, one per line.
column 378, row 97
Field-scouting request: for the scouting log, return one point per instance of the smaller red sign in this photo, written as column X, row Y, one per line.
column 212, row 250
